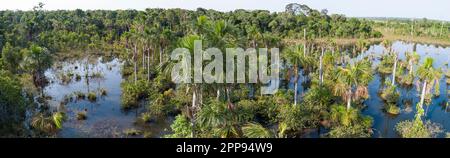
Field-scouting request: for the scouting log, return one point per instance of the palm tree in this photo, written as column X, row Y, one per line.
column 294, row 56
column 412, row 58
column 427, row 74
column 221, row 37
column 188, row 43
column 255, row 130
column 354, row 76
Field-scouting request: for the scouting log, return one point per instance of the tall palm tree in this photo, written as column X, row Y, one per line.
column 353, row 76
column 221, row 37
column 427, row 74
column 294, row 56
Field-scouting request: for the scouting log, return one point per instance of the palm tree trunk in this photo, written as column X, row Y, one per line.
column 422, row 96
column 393, row 72
column 160, row 54
column 304, row 42
column 143, row 58
column 296, row 84
column 135, row 64
column 148, row 64
column 321, row 68
column 194, row 97
column 349, row 100
column 410, row 67
column 295, row 92
column 218, row 94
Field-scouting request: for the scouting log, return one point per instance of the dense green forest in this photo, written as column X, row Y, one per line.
column 31, row 41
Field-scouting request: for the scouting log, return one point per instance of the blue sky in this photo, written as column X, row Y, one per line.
column 432, row 9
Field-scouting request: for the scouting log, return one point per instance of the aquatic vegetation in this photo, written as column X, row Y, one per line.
column 43, row 123
column 92, row 96
column 48, row 124
column 392, row 109
column 65, row 78
column 406, row 80
column 58, row 119
column 133, row 92
column 324, row 89
column 414, row 129
column 390, row 94
column 96, row 75
column 77, row 77
column 132, row 132
column 103, row 92
column 79, row 95
column 81, row 115
column 386, row 65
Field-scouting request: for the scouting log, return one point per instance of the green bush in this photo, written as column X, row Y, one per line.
column 181, row 128
column 12, row 103
column 417, row 129
column 132, row 93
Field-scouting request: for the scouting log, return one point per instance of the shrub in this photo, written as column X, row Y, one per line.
column 181, row 128
column 132, row 93
column 254, row 130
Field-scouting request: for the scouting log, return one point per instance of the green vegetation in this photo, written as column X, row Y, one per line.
column 103, row 92
column 132, row 132
column 81, row 115
column 319, row 53
column 414, row 30
column 92, row 96
column 392, row 109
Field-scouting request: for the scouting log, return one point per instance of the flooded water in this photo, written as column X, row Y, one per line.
column 104, row 116
column 437, row 112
